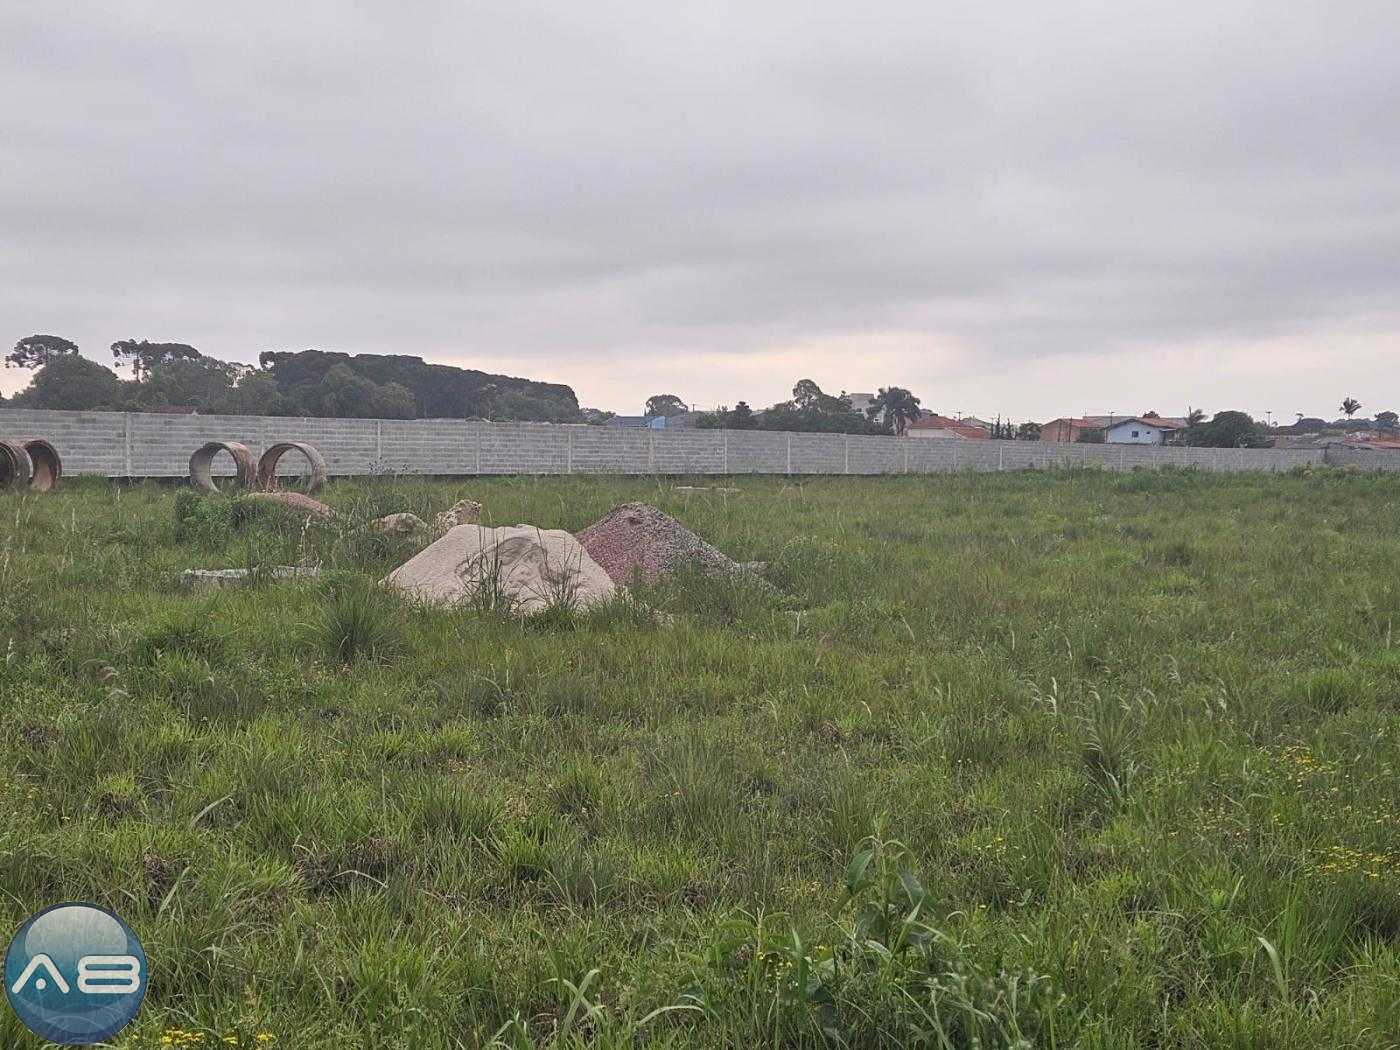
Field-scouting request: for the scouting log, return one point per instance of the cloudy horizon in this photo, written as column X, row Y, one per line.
column 1014, row 209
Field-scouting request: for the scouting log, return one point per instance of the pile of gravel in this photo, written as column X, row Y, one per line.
column 637, row 539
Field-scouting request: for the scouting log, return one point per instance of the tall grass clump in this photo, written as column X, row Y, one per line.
column 1332, row 689
column 358, row 621
column 1107, row 752
column 713, row 599
column 189, row 633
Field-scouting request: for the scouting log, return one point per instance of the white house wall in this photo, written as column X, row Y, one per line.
column 1122, row 434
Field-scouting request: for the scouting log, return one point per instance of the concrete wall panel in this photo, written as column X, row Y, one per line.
column 118, row 444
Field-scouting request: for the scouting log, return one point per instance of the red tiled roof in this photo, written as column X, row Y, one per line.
column 929, row 421
column 1100, row 422
column 1374, row 442
column 1160, row 422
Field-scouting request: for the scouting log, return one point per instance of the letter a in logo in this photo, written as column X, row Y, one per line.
column 40, row 983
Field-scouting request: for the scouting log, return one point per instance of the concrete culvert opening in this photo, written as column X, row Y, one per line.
column 15, row 467
column 202, row 462
column 46, row 465
column 312, row 481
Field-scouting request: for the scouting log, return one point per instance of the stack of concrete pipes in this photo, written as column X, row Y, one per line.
column 246, row 474
column 31, row 463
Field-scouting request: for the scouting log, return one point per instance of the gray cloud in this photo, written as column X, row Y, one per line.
column 985, row 203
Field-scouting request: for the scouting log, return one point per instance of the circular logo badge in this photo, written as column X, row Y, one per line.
column 75, row 974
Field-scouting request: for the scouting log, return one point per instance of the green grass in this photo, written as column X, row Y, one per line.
column 1076, row 760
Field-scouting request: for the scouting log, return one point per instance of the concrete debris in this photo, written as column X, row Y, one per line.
column 463, row 512
column 636, row 539
column 296, row 501
column 519, row 569
column 404, row 523
column 220, row 579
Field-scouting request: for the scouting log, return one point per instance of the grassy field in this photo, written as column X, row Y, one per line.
column 1019, row 760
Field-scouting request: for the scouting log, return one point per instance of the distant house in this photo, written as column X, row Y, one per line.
column 1129, row 430
column 860, row 402
column 1066, row 429
column 929, row 425
column 1389, row 440
column 1142, row 430
column 1295, row 440
column 680, row 421
column 1386, row 441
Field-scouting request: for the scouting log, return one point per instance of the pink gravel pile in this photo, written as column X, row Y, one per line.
column 636, row 539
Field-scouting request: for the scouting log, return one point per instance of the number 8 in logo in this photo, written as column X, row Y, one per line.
column 96, row 974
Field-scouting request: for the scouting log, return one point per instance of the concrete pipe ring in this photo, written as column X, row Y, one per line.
column 267, row 466
column 15, row 468
column 46, row 465
column 245, row 472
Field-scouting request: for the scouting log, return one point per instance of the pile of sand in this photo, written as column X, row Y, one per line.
column 636, row 539
column 521, row 569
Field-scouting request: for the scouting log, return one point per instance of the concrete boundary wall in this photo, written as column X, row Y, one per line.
column 152, row 445
column 1364, row 459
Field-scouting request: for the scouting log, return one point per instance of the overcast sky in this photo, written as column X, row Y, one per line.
column 1020, row 207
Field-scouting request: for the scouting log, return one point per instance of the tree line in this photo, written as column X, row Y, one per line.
column 809, row 410
column 1235, row 429
column 894, row 408
column 164, row 376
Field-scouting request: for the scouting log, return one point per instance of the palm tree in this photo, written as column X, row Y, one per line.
column 1350, row 406
column 895, row 407
column 1194, row 417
